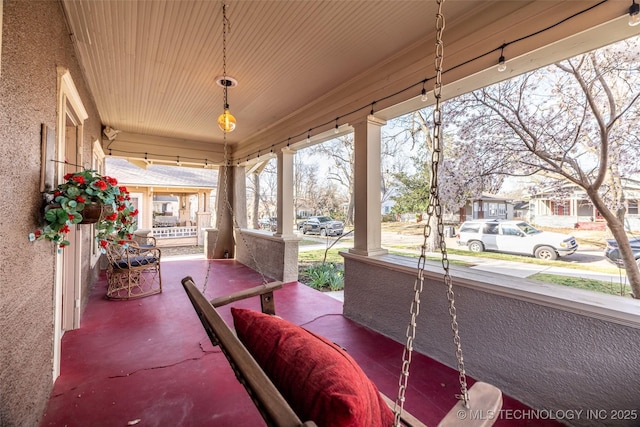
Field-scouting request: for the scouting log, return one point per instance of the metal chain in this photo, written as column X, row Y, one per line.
column 433, row 207
column 226, row 25
column 435, row 196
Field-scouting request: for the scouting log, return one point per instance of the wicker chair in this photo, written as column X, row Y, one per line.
column 133, row 269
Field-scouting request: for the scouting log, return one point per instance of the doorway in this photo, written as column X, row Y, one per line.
column 69, row 148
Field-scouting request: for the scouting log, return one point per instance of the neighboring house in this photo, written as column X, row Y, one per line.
column 521, row 210
column 574, row 209
column 487, row 206
column 174, row 202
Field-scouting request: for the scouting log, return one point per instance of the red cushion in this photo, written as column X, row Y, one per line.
column 321, row 382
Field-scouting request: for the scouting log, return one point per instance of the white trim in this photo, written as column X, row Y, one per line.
column 67, row 87
column 67, row 94
column 97, row 163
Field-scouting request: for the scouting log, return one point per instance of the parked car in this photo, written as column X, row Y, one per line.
column 322, row 225
column 516, row 237
column 612, row 252
column 268, row 223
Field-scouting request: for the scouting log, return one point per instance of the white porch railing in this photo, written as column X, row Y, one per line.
column 174, row 232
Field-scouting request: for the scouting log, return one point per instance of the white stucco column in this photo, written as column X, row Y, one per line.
column 240, row 196
column 367, row 218
column 285, row 193
column 222, row 243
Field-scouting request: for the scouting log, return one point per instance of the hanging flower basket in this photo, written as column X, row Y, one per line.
column 91, row 213
column 87, row 197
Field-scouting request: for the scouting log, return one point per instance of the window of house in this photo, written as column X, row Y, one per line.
column 632, row 207
column 561, row 208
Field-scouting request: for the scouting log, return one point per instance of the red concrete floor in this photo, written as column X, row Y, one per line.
column 150, row 359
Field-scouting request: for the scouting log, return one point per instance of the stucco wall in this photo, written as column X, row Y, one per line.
column 34, row 43
column 276, row 257
column 545, row 356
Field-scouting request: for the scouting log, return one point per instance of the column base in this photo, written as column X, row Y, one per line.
column 369, row 252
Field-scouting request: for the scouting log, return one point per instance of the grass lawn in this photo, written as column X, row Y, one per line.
column 582, row 283
column 314, row 258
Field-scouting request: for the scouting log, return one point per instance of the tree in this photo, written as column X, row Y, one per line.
column 573, row 120
column 340, row 154
column 412, row 194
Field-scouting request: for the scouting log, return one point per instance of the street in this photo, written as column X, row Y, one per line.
column 588, row 255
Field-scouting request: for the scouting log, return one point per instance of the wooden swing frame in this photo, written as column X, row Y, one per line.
column 275, row 410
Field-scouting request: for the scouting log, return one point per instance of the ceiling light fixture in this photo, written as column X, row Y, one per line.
column 424, row 96
column 336, row 130
column 634, row 14
column 226, row 121
column 110, row 133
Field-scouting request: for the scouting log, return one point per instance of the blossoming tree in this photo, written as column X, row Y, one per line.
column 574, row 120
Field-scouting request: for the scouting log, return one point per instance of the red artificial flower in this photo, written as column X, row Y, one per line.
column 121, row 198
column 101, row 185
column 57, row 193
column 68, row 176
column 79, row 179
column 71, row 216
column 122, row 242
column 62, row 245
column 112, row 217
column 134, row 212
column 65, row 229
column 37, row 233
column 103, row 243
column 123, row 189
column 111, row 180
column 80, row 199
column 121, row 208
column 129, row 236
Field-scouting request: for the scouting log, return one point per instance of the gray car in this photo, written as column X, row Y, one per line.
column 322, row 225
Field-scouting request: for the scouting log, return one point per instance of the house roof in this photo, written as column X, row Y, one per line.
column 492, row 197
column 161, row 176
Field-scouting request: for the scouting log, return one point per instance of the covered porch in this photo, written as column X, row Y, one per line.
column 562, row 351
column 151, row 360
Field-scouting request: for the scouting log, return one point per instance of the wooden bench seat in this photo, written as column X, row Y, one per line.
column 271, row 404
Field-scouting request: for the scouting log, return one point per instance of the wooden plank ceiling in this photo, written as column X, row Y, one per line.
column 151, row 65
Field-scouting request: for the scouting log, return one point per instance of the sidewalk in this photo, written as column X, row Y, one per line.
column 524, row 269
column 509, row 268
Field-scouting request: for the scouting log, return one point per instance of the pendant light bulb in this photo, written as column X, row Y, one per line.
column 634, row 14
column 502, row 65
column 226, row 121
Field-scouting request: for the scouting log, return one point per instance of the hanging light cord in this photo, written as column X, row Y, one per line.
column 226, row 26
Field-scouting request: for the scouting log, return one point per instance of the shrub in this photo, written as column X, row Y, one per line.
column 326, row 275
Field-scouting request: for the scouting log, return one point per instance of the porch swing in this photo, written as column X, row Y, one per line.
column 266, row 352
